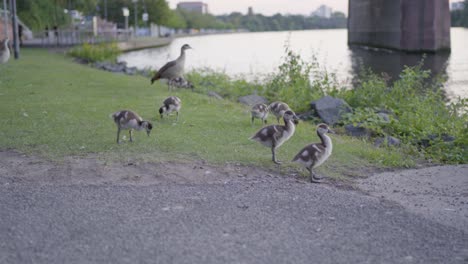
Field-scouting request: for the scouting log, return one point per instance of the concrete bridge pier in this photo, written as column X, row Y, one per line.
column 406, row 25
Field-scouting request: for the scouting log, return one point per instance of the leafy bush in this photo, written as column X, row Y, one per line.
column 98, row 52
column 422, row 116
column 298, row 82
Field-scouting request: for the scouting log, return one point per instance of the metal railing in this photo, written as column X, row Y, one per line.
column 76, row 37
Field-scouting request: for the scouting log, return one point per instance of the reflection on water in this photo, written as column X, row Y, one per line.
column 391, row 63
column 254, row 55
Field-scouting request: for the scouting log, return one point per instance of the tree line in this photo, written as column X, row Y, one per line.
column 459, row 18
column 38, row 14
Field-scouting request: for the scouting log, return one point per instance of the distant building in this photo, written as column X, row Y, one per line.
column 198, row 7
column 250, row 11
column 323, row 11
column 457, row 6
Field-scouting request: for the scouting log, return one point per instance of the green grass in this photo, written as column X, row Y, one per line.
column 52, row 107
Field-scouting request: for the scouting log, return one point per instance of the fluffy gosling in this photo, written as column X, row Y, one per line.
column 171, row 104
column 274, row 136
column 259, row 111
column 313, row 155
column 129, row 120
column 278, row 109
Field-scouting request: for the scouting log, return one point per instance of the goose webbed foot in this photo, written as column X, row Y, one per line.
column 273, row 155
column 314, row 178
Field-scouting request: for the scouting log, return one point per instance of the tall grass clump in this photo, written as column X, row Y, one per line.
column 207, row 81
column 96, row 52
column 298, row 82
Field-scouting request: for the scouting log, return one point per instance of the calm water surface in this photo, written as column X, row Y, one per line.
column 253, row 55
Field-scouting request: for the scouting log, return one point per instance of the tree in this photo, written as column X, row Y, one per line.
column 159, row 12
column 38, row 14
column 459, row 18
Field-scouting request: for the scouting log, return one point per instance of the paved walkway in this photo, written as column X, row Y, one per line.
column 132, row 44
column 84, row 211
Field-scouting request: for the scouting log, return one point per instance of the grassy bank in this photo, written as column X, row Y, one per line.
column 412, row 108
column 53, row 107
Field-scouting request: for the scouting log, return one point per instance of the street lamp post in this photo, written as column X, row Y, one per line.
column 5, row 17
column 14, row 24
column 105, row 10
column 145, row 18
column 135, row 11
column 126, row 12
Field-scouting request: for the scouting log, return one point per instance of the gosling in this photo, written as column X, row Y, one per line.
column 274, row 136
column 129, row 120
column 171, row 104
column 313, row 155
column 260, row 111
column 278, row 109
column 181, row 83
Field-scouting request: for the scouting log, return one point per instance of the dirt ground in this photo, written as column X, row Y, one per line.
column 17, row 167
column 439, row 193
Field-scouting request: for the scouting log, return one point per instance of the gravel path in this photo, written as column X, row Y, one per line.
column 439, row 193
column 86, row 211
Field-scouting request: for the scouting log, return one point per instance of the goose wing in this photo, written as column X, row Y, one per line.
column 160, row 72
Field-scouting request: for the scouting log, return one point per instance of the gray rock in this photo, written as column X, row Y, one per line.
column 444, row 137
column 215, row 95
column 101, row 65
column 385, row 117
column 357, row 131
column 427, row 142
column 146, row 72
column 330, row 109
column 309, row 115
column 391, row 141
column 130, row 70
column 252, row 99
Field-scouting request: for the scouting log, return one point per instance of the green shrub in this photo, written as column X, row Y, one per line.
column 98, row 52
column 422, row 116
column 298, row 82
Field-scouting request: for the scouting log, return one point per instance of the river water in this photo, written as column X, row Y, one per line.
column 253, row 55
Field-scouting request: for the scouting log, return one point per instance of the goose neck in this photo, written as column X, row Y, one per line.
column 326, row 140
column 289, row 125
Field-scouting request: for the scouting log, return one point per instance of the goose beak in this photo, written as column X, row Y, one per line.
column 296, row 120
column 331, row 131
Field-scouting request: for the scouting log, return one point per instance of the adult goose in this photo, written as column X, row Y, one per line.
column 172, row 69
column 4, row 51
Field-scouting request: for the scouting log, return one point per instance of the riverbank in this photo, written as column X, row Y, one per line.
column 143, row 43
column 124, row 46
column 132, row 44
column 52, row 112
